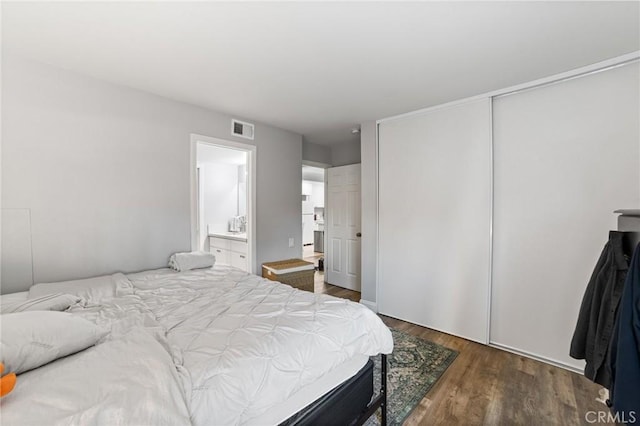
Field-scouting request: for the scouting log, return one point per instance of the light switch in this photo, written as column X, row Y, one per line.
column 290, row 242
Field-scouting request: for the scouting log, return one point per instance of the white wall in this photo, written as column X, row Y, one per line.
column 316, row 153
column 345, row 153
column 104, row 172
column 338, row 154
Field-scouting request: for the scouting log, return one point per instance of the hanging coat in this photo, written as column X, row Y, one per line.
column 596, row 320
column 625, row 349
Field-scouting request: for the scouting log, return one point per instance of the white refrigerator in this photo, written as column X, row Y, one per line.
column 307, row 222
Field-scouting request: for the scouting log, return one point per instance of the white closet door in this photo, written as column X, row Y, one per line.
column 566, row 156
column 434, row 218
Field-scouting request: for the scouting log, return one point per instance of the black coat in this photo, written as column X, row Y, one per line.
column 596, row 320
column 625, row 348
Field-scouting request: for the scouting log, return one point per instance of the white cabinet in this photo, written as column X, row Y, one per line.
column 238, row 260
column 229, row 252
column 222, row 256
column 238, row 247
column 220, row 248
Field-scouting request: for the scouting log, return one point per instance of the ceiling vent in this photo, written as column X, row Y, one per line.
column 242, row 129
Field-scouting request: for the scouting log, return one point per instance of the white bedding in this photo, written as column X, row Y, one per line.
column 129, row 380
column 246, row 344
column 7, row 300
column 242, row 347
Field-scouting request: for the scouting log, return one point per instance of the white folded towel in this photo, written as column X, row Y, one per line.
column 193, row 260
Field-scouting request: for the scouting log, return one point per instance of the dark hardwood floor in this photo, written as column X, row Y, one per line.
column 488, row 386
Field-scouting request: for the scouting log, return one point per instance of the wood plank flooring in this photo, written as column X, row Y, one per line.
column 488, row 386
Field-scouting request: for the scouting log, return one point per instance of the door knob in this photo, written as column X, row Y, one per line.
column 359, row 234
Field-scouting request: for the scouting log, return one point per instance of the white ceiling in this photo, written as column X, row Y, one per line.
column 319, row 69
column 314, row 174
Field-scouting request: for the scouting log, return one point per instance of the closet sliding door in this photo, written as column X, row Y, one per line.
column 566, row 155
column 434, row 218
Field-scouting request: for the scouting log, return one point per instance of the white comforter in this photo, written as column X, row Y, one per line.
column 245, row 343
column 222, row 345
column 128, row 380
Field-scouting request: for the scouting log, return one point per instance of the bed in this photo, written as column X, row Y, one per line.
column 214, row 346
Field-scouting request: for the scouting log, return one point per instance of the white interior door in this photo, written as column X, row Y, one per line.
column 342, row 224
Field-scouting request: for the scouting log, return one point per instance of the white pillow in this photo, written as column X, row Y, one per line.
column 91, row 289
column 31, row 339
column 51, row 302
column 191, row 260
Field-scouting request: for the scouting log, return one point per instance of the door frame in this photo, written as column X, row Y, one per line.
column 324, row 166
column 251, row 151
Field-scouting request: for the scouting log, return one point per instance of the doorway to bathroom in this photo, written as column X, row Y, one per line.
column 223, row 200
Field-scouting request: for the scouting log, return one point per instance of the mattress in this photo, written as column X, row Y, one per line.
column 245, row 350
column 305, row 396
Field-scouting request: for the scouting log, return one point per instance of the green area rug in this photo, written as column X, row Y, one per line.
column 413, row 368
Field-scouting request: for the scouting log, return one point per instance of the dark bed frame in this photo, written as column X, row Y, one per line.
column 347, row 404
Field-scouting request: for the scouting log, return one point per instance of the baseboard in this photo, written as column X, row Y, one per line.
column 371, row 305
column 540, row 358
column 482, row 342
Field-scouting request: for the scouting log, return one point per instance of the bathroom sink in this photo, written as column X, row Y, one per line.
column 238, row 236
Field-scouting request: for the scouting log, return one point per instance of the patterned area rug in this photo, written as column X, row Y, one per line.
column 413, row 368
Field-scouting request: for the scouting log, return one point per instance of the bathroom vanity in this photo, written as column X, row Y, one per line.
column 230, row 248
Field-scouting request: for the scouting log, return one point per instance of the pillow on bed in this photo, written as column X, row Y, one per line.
column 31, row 339
column 191, row 260
column 51, row 302
column 92, row 289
